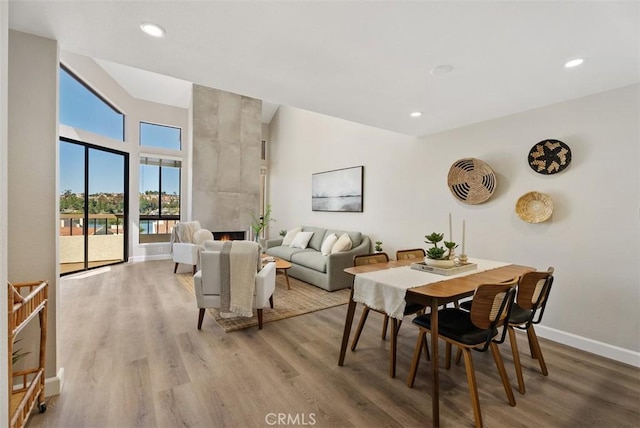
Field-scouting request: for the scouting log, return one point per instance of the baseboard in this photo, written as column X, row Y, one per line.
column 53, row 385
column 148, row 257
column 593, row 346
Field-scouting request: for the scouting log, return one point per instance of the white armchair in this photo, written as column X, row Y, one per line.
column 208, row 282
column 187, row 240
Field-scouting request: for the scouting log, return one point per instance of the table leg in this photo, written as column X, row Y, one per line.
column 435, row 385
column 351, row 309
column 286, row 275
column 393, row 347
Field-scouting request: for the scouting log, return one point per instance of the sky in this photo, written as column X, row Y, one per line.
column 81, row 108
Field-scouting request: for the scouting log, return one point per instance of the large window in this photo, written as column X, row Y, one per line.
column 81, row 107
column 164, row 137
column 159, row 198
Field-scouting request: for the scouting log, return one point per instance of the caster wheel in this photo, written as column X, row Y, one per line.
column 42, row 407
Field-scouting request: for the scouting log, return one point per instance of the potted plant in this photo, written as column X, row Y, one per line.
column 439, row 256
column 260, row 222
column 283, row 232
column 378, row 246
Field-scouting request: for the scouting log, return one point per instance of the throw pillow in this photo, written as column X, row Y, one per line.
column 301, row 240
column 202, row 235
column 328, row 243
column 288, row 238
column 342, row 244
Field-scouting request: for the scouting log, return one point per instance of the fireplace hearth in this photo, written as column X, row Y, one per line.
column 230, row 236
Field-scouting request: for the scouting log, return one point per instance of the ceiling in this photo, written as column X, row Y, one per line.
column 369, row 62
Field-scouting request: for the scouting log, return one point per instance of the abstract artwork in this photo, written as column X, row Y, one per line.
column 337, row 190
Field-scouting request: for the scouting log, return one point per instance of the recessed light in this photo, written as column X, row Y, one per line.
column 152, row 29
column 441, row 69
column 574, row 63
column 416, row 114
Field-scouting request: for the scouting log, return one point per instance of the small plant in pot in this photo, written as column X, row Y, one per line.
column 378, row 246
column 439, row 256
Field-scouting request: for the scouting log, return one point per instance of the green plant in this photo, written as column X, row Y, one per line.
column 435, row 252
column 283, row 232
column 378, row 245
column 17, row 354
column 450, row 246
column 260, row 222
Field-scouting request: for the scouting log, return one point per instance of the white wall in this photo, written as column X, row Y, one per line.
column 4, row 52
column 592, row 239
column 32, row 180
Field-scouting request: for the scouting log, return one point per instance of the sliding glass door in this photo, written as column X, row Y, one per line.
column 93, row 206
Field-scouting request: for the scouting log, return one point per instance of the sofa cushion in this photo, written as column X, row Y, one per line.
column 288, row 238
column 317, row 238
column 356, row 237
column 327, row 244
column 311, row 259
column 283, row 252
column 342, row 244
column 301, row 240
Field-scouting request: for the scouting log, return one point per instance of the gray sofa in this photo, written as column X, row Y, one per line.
column 309, row 265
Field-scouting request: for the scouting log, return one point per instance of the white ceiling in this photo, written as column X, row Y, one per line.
column 365, row 61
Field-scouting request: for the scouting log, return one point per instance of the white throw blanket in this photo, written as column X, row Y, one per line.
column 243, row 263
column 385, row 290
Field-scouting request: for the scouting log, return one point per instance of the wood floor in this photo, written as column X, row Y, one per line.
column 133, row 358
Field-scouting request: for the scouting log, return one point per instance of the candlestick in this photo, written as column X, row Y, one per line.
column 450, row 234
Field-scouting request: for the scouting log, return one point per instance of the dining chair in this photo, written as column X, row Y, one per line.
column 531, row 300
column 410, row 308
column 417, row 254
column 477, row 330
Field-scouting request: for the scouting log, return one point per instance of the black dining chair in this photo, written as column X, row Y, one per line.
column 478, row 329
column 531, row 299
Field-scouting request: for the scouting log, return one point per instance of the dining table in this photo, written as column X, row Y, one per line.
column 388, row 286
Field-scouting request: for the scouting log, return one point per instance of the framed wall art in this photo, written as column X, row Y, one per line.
column 338, row 190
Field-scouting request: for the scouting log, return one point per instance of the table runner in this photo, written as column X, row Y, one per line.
column 385, row 290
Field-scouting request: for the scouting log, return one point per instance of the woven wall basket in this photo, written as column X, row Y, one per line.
column 534, row 207
column 471, row 180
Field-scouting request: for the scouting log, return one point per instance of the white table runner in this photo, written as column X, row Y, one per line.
column 385, row 290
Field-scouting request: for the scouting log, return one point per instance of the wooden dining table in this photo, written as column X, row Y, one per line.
column 431, row 294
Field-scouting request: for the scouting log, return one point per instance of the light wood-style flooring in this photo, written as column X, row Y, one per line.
column 133, row 358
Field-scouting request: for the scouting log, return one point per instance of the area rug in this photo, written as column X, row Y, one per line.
column 302, row 299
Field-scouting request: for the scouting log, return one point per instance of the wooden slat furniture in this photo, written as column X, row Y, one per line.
column 26, row 386
column 433, row 295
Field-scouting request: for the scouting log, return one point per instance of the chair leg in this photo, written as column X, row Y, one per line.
column 503, row 373
column 259, row 319
column 447, row 356
column 533, row 341
column 458, row 355
column 384, row 327
column 200, row 318
column 175, row 268
column 473, row 387
column 416, row 358
column 363, row 319
column 271, row 301
column 516, row 358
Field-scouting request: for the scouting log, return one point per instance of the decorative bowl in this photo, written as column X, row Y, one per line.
column 439, row 263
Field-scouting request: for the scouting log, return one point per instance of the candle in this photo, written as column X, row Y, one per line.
column 450, row 234
column 463, row 230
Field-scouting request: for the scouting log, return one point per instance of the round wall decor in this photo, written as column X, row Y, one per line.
column 471, row 180
column 534, row 207
column 549, row 157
